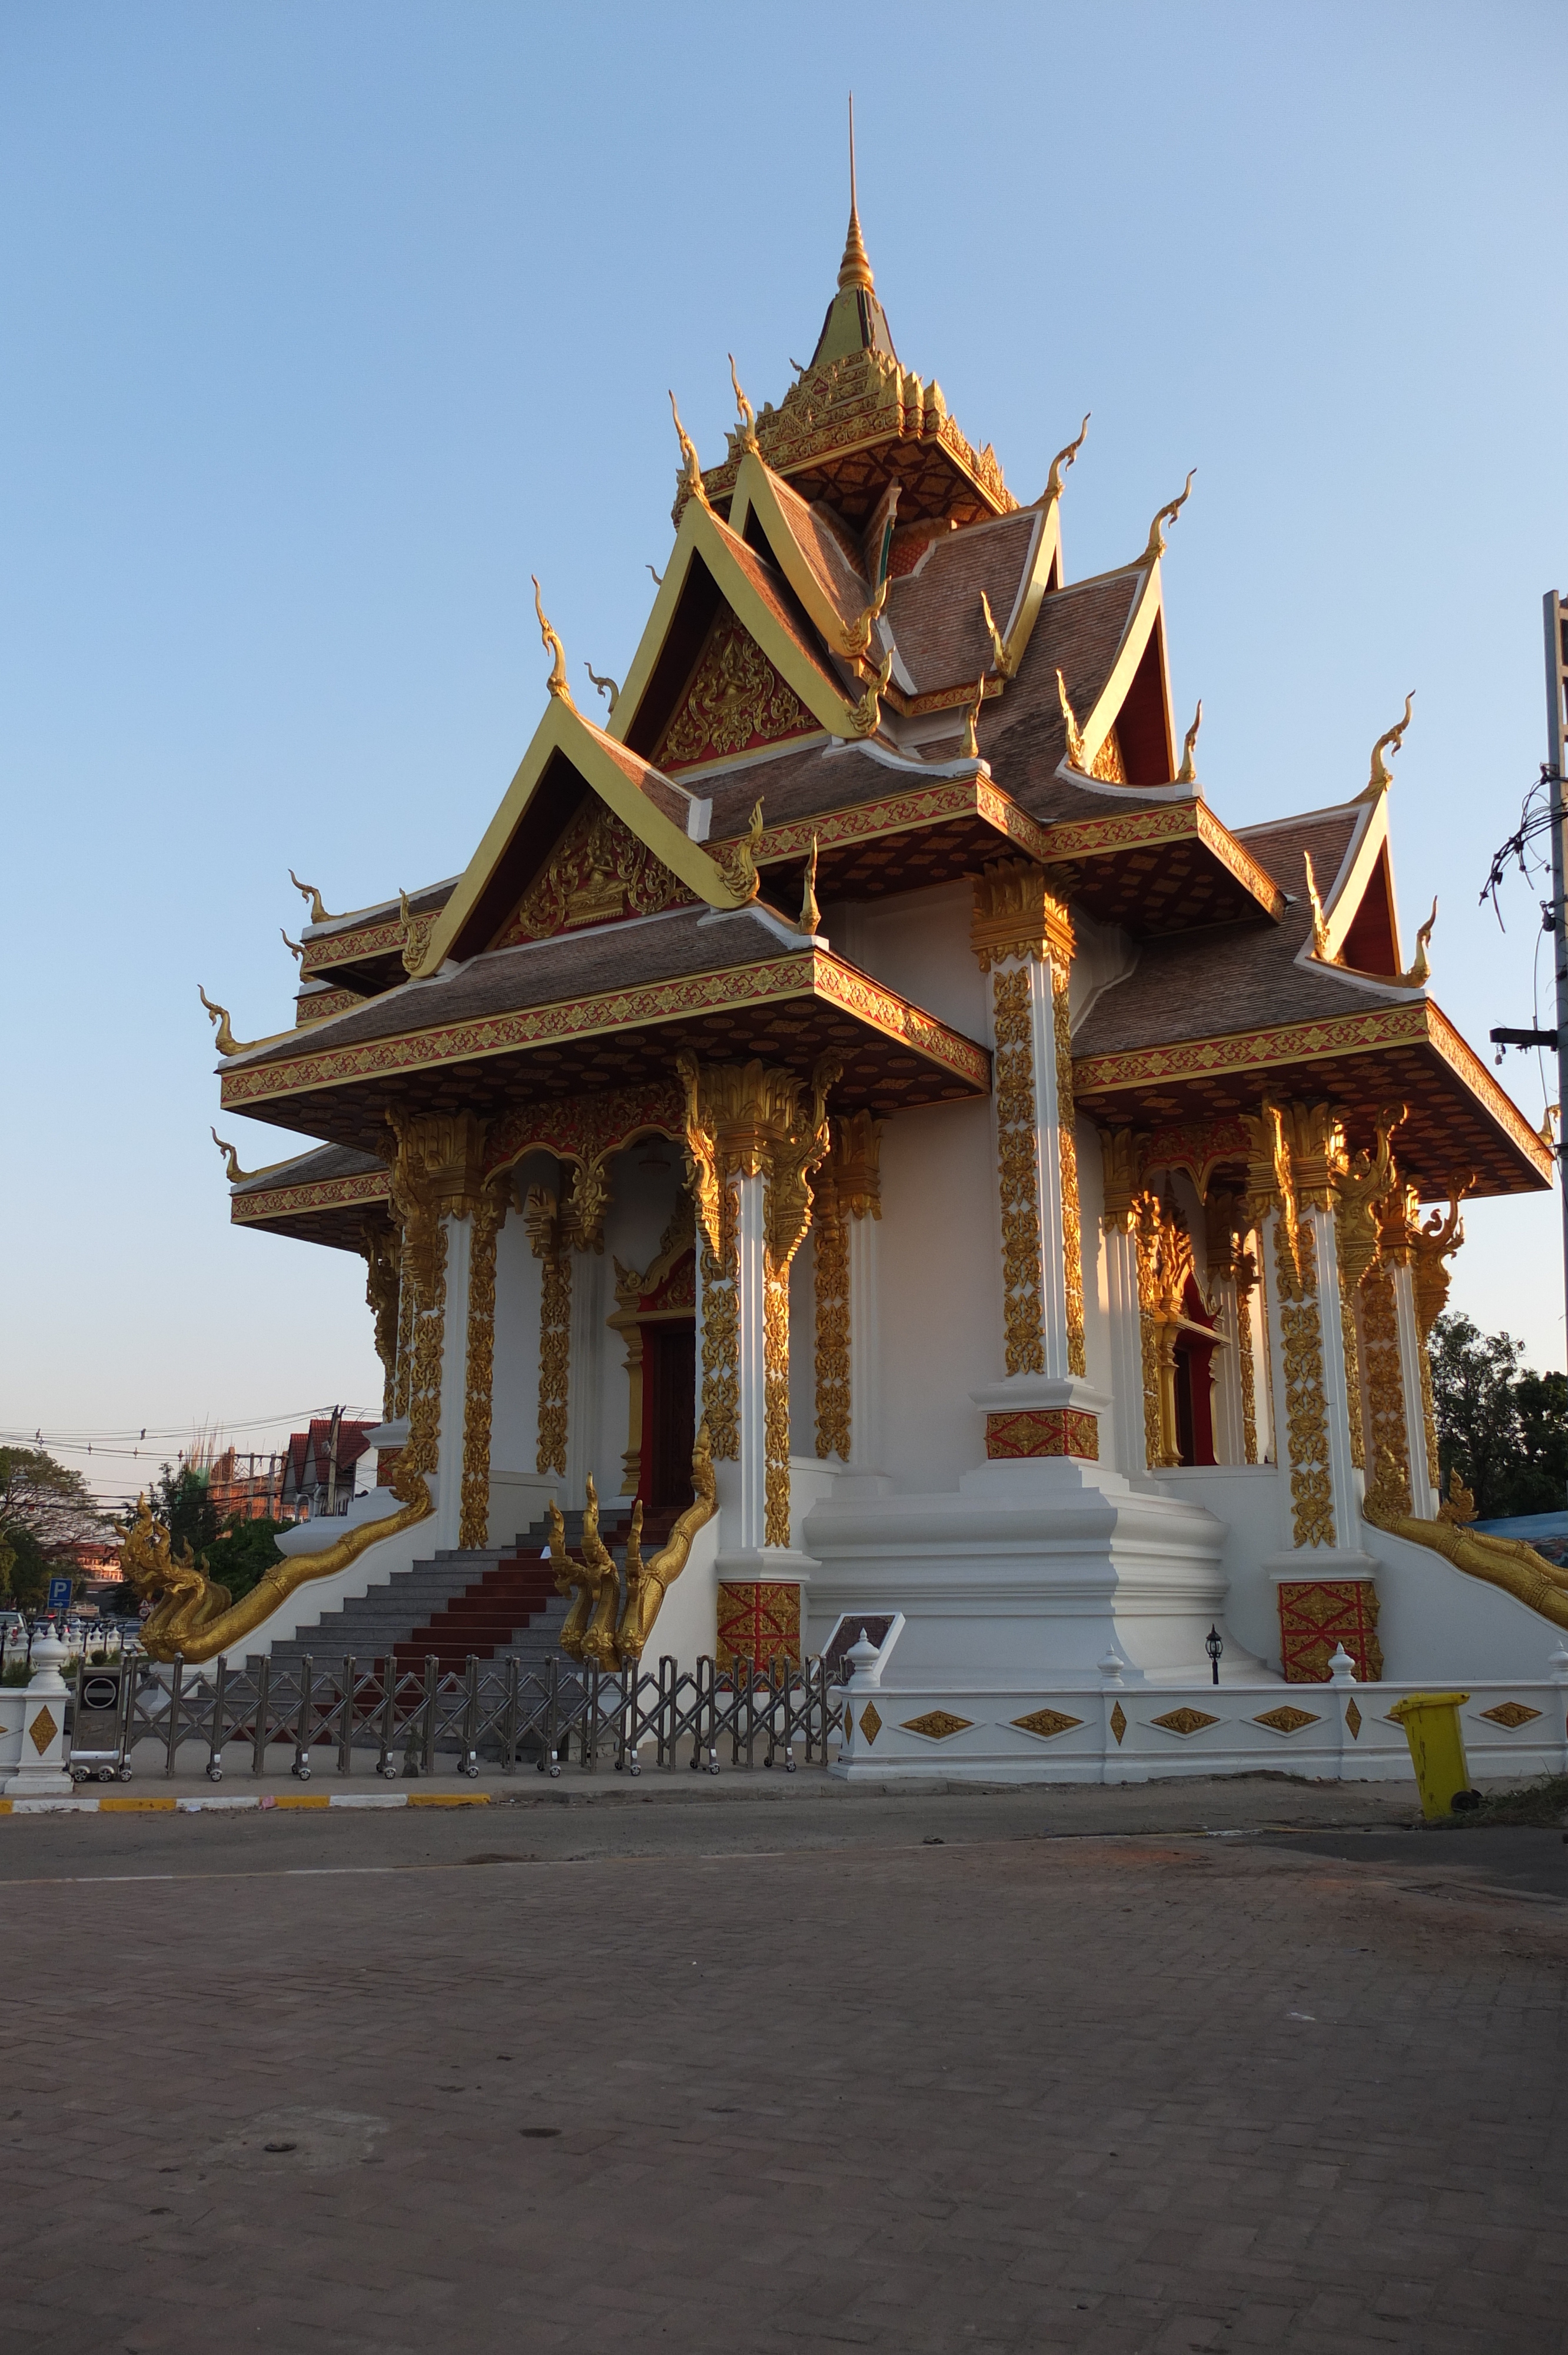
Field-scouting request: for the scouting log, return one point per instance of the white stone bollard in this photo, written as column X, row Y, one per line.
column 42, row 1773
column 1342, row 1682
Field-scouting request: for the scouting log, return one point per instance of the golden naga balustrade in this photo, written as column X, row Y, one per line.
column 601, row 1629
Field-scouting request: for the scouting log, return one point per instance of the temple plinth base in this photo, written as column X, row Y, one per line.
column 1039, row 1566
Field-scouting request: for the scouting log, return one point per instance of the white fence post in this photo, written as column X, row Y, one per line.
column 42, row 1772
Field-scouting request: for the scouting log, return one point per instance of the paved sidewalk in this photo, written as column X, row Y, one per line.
column 918, row 2093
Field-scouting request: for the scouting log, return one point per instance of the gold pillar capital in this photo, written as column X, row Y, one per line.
column 1122, row 1159
column 1016, row 915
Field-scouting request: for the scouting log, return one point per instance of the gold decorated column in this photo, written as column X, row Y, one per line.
column 1023, row 939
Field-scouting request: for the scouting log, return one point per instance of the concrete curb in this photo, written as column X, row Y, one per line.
column 240, row 1803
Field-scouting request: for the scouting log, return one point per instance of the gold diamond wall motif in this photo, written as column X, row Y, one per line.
column 1287, row 1719
column 43, row 1730
column 1353, row 1720
column 1045, row 1722
column 936, row 1725
column 870, row 1723
column 1184, row 1720
column 1511, row 1713
column 1118, row 1722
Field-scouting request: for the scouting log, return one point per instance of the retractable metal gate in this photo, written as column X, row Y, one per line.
column 428, row 1721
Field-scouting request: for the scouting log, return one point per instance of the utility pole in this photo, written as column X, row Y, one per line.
column 1556, row 747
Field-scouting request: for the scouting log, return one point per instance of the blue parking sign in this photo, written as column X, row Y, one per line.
column 59, row 1596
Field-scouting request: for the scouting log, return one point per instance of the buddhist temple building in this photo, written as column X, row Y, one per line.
column 860, row 1107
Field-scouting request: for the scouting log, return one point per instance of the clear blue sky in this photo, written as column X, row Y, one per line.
column 325, row 326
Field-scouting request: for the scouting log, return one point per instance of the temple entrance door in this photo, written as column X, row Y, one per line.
column 669, row 1411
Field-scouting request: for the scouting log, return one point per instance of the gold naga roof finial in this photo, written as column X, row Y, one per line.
column 236, row 1175
column 695, row 483
column 1390, row 741
column 227, row 1043
column 1186, row 775
column 868, row 711
column 1320, row 922
column 1168, row 514
column 1060, row 464
column 854, row 270
column 1420, row 973
column 856, row 640
column 1004, row 665
column 970, row 749
column 294, row 947
column 811, row 915
column 556, row 682
column 608, row 686
column 308, row 891
column 1545, row 1132
column 1075, row 733
column 748, row 414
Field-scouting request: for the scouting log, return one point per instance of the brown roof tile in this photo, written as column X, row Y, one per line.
column 545, row 973
column 311, row 1168
column 935, row 612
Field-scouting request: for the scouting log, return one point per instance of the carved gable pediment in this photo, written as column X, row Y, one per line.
column 597, row 873
column 735, row 701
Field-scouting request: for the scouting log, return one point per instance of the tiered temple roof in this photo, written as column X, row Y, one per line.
column 865, row 665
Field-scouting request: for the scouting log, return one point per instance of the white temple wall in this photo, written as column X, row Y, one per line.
column 518, row 1491
column 917, row 943
column 1246, row 1498
column 940, row 1291
column 1098, row 1338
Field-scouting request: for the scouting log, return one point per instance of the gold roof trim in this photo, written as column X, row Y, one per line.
column 563, row 729
column 803, row 973
column 702, row 534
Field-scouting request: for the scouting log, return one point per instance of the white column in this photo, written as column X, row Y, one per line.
column 454, row 1386
column 752, row 1366
column 1126, row 1352
column 1345, row 1481
column 1045, row 1146
column 1426, row 1499
column 865, row 1383
column 1229, row 1447
column 586, row 1452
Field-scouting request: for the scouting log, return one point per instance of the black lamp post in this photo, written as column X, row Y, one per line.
column 1215, row 1644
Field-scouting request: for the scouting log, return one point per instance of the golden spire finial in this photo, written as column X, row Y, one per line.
column 970, row 749
column 746, row 414
column 695, row 483
column 609, row 687
column 1320, row 922
column 557, row 681
column 868, row 711
column 227, row 1043
column 1390, row 741
column 854, row 270
column 308, row 891
column 1004, row 666
column 1060, row 464
column 236, row 1176
column 1168, row 514
column 1075, row 733
column 811, row 915
column 1187, row 773
column 1420, row 973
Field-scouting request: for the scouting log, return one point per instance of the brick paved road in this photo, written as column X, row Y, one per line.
column 1169, row 2095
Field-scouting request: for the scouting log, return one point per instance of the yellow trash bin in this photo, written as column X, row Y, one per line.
column 1431, row 1722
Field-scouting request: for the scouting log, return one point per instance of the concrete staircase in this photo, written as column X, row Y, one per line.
column 496, row 1602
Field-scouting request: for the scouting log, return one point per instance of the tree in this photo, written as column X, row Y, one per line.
column 182, row 1502
column 242, row 1553
column 1502, row 1427
column 235, row 1553
column 45, row 1510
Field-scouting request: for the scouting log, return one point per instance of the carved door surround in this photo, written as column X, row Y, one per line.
column 662, row 1294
